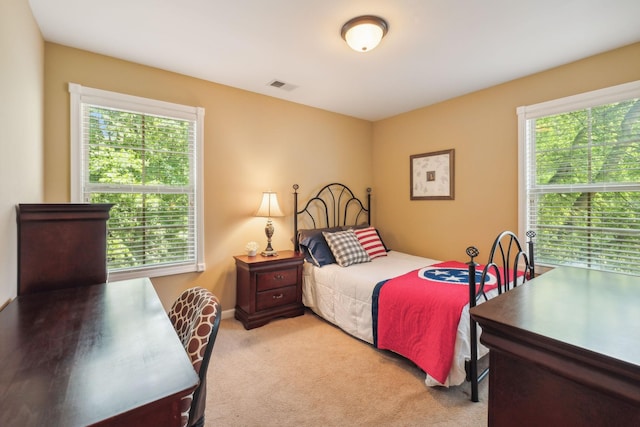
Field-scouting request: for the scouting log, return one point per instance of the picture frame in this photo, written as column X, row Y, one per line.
column 432, row 175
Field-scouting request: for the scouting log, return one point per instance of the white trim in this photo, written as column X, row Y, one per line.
column 581, row 101
column 76, row 142
column 558, row 106
column 527, row 190
column 125, row 102
column 153, row 272
column 80, row 96
column 522, row 175
column 200, row 188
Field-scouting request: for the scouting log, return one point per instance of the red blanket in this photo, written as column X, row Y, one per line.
column 418, row 314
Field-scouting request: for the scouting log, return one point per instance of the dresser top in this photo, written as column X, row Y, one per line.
column 282, row 256
column 592, row 311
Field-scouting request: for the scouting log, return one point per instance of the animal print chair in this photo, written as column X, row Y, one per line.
column 195, row 315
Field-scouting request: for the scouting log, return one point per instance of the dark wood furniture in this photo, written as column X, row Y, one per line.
column 103, row 354
column 61, row 245
column 564, row 350
column 268, row 287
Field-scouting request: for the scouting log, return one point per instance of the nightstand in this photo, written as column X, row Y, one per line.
column 268, row 287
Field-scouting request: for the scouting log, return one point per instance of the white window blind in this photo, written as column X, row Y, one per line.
column 580, row 179
column 143, row 156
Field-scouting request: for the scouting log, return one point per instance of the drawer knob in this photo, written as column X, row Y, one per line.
column 279, row 296
column 278, row 276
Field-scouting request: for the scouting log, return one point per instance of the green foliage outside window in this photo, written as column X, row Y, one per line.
column 585, row 198
column 141, row 164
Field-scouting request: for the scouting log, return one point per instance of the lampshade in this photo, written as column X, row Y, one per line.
column 364, row 33
column 269, row 206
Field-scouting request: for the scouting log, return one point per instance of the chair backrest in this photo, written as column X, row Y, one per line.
column 195, row 316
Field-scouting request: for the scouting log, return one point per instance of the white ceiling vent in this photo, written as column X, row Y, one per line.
column 282, row 85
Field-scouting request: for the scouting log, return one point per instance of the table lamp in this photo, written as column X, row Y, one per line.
column 269, row 208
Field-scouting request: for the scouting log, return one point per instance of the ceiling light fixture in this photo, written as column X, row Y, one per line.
column 364, row 33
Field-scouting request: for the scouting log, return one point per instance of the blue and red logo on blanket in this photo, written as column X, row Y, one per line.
column 453, row 274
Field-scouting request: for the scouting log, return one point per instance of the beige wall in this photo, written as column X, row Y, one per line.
column 252, row 143
column 482, row 128
column 21, row 94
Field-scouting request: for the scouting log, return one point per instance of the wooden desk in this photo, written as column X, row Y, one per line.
column 102, row 354
column 565, row 350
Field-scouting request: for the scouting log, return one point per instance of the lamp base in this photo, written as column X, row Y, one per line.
column 269, row 253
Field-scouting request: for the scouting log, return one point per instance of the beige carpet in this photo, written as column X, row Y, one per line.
column 304, row 371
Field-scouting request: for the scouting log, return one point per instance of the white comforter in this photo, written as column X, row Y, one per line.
column 342, row 295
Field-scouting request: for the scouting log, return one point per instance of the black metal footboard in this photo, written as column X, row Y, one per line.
column 511, row 266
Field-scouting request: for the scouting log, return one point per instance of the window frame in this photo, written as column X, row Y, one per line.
column 567, row 104
column 85, row 95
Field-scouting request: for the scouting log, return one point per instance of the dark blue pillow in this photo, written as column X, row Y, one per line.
column 315, row 247
column 382, row 241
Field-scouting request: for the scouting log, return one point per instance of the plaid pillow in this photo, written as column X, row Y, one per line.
column 346, row 248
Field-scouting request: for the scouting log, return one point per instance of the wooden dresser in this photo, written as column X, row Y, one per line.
column 61, row 245
column 564, row 350
column 268, row 287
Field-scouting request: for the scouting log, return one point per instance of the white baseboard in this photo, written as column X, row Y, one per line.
column 227, row 314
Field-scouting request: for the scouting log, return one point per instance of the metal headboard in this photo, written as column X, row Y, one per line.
column 334, row 205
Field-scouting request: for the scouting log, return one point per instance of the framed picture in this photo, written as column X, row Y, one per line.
column 432, row 175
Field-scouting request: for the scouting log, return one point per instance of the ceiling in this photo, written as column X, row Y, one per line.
column 434, row 50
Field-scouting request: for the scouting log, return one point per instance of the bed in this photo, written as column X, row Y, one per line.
column 379, row 295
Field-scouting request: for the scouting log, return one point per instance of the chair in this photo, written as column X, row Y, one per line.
column 195, row 315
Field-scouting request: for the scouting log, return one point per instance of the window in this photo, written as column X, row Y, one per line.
column 144, row 157
column 580, row 179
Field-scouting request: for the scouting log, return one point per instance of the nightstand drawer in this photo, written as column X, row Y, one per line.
column 268, row 287
column 276, row 279
column 276, row 297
